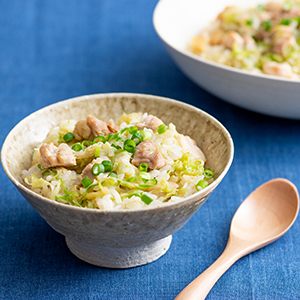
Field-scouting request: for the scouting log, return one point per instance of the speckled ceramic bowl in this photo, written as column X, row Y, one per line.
column 117, row 239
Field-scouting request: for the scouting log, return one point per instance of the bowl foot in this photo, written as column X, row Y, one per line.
column 119, row 258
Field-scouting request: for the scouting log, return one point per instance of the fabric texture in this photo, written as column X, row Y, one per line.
column 53, row 50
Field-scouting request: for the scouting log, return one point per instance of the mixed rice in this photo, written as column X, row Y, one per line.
column 262, row 39
column 136, row 162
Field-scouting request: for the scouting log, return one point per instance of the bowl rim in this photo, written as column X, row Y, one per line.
column 201, row 194
column 212, row 63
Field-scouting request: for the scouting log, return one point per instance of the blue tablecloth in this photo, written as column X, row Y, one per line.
column 51, row 50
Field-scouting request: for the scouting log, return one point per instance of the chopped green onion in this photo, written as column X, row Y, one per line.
column 116, row 146
column 108, row 166
column 268, row 25
column 143, row 167
column 97, row 169
column 86, row 182
column 146, row 199
column 99, row 137
column 97, row 152
column 137, row 138
column 77, row 147
column 68, row 137
column 208, row 173
column 132, row 129
column 112, row 175
column 112, row 137
column 44, row 171
column 146, row 135
column 161, row 129
column 201, row 185
column 286, row 22
column 129, row 146
column 86, row 143
column 249, row 22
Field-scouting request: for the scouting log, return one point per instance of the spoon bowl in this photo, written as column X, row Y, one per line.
column 264, row 216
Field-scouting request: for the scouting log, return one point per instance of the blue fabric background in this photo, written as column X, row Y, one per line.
column 52, row 50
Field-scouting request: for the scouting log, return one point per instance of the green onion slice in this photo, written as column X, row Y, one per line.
column 86, row 182
column 100, row 138
column 268, row 25
column 77, row 147
column 137, row 138
column 132, row 129
column 161, row 128
column 116, row 146
column 286, row 22
column 68, row 137
column 201, row 185
column 249, row 22
column 208, row 173
column 146, row 199
column 97, row 169
column 108, row 166
column 129, row 146
column 112, row 175
column 143, row 167
column 86, row 143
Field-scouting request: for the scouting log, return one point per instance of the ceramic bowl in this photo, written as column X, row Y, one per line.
column 127, row 238
column 178, row 21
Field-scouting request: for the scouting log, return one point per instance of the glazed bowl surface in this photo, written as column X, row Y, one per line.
column 177, row 21
column 109, row 238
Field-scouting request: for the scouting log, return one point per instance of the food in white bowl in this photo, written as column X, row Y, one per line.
column 136, row 162
column 261, row 39
column 177, row 22
column 113, row 238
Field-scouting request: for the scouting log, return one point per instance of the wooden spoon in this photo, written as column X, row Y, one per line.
column 264, row 216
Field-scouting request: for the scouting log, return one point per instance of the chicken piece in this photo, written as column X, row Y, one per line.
column 284, row 44
column 216, row 37
column 52, row 156
column 150, row 122
column 227, row 9
column 294, row 12
column 146, row 152
column 278, row 12
column 188, row 145
column 99, row 127
column 200, row 42
column 232, row 38
column 82, row 131
column 277, row 69
column 274, row 8
column 113, row 128
column 87, row 171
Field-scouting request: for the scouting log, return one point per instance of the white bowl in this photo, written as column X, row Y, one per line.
column 177, row 21
column 125, row 238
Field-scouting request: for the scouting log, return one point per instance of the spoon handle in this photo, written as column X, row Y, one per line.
column 200, row 287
